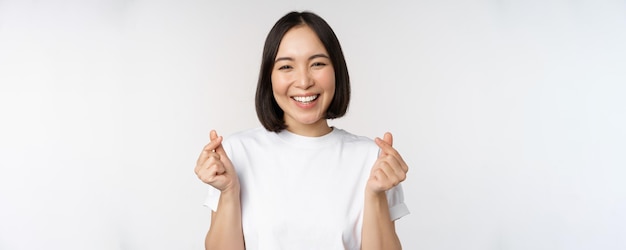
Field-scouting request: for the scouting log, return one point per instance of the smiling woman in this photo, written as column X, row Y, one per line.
column 509, row 113
column 303, row 82
column 298, row 183
column 308, row 40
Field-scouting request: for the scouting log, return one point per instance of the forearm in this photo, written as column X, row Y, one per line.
column 226, row 231
column 378, row 232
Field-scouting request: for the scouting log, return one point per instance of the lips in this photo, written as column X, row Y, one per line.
column 305, row 99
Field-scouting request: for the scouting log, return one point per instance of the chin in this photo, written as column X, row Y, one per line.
column 310, row 120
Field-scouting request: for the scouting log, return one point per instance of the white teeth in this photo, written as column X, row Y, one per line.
column 305, row 99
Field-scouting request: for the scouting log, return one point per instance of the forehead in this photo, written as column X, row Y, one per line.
column 300, row 40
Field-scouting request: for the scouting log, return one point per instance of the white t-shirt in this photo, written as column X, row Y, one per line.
column 302, row 192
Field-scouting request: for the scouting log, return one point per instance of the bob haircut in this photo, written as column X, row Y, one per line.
column 269, row 113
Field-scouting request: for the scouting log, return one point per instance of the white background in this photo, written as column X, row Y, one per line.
column 510, row 114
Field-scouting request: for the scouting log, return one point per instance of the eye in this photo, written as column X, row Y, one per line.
column 318, row 64
column 285, row 67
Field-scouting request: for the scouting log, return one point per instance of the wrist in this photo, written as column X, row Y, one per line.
column 374, row 194
column 231, row 191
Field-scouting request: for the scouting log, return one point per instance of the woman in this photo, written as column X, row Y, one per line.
column 298, row 183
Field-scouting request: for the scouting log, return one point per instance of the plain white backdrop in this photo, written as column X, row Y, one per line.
column 511, row 115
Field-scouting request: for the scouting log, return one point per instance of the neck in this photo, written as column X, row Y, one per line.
column 317, row 129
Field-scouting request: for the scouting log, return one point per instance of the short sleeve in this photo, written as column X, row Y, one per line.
column 395, row 199
column 212, row 199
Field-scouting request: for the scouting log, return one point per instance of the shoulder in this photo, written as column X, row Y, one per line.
column 351, row 140
column 249, row 134
column 249, row 138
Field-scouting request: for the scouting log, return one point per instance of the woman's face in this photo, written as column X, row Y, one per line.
column 303, row 80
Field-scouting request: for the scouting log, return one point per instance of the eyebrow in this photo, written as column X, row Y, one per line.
column 310, row 58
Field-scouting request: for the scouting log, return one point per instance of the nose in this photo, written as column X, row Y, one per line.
column 304, row 80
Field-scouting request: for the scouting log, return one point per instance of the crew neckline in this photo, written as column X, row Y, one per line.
column 309, row 141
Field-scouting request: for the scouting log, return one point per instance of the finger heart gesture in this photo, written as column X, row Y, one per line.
column 214, row 167
column 389, row 169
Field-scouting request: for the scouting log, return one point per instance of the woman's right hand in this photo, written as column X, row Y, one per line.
column 214, row 167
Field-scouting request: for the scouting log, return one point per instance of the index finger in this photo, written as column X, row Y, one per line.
column 209, row 148
column 385, row 147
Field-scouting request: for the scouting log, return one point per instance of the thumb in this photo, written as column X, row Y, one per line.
column 219, row 149
column 213, row 135
column 388, row 138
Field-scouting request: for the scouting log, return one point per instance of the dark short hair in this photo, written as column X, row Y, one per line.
column 268, row 111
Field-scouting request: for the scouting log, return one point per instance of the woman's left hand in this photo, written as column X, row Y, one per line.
column 389, row 169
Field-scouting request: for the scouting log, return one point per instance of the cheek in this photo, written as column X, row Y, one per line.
column 279, row 83
column 328, row 80
column 276, row 83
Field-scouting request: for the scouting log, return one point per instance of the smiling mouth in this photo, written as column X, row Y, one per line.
column 305, row 99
